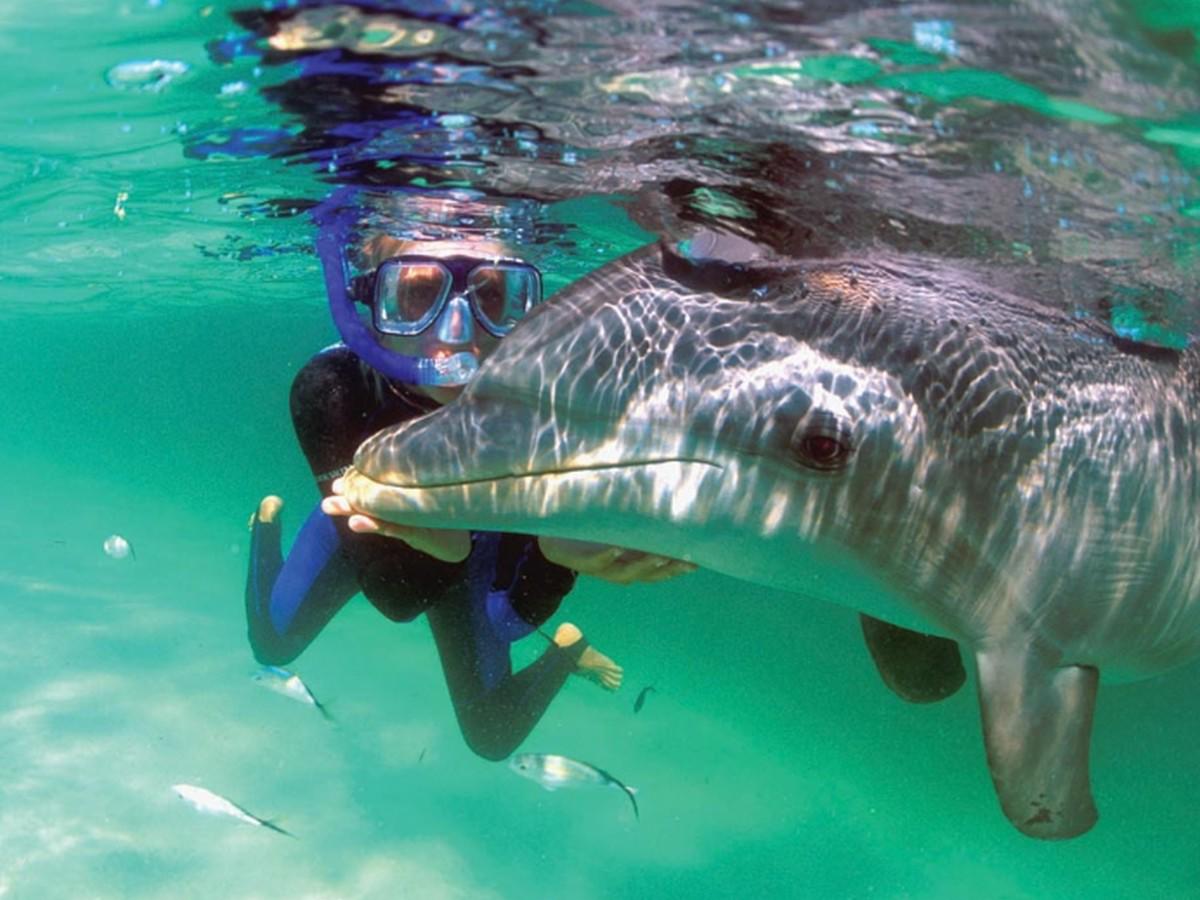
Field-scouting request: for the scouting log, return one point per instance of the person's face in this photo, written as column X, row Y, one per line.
column 455, row 330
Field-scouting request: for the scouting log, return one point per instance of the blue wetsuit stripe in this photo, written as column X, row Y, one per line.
column 315, row 545
column 507, row 623
column 491, row 651
column 266, row 559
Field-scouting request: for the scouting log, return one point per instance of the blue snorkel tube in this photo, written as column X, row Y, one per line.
column 335, row 218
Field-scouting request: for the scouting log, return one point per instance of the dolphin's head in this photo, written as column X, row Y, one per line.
column 668, row 404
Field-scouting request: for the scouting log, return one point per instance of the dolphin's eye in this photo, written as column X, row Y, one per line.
column 819, row 449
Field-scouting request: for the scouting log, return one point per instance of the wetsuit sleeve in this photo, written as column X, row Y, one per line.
column 289, row 602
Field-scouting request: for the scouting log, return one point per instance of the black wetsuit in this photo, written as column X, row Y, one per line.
column 476, row 609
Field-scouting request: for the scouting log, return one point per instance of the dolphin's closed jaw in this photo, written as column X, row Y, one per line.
column 876, row 435
column 403, row 477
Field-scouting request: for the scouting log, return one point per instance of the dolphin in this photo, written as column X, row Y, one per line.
column 964, row 465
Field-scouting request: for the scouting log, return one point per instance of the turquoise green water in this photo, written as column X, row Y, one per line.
column 143, row 388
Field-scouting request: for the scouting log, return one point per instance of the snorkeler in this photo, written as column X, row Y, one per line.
column 436, row 310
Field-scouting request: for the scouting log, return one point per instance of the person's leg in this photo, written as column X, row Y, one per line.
column 289, row 602
column 495, row 707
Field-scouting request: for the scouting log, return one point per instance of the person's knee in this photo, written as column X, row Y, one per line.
column 489, row 746
column 271, row 653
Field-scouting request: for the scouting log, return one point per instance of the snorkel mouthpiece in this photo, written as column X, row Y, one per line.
column 455, row 369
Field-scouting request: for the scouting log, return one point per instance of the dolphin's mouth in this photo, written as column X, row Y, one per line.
column 512, row 477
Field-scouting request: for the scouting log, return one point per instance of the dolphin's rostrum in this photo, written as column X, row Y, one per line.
column 948, row 458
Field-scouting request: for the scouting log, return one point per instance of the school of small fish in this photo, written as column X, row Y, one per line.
column 549, row 770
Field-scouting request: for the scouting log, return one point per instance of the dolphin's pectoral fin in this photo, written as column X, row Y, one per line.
column 920, row 668
column 1037, row 724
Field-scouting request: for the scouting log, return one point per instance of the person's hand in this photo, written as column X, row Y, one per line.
column 446, row 544
column 615, row 564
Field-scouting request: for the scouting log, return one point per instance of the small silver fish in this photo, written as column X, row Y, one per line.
column 552, row 772
column 281, row 681
column 205, row 801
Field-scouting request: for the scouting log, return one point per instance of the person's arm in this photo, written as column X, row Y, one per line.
column 289, row 602
column 336, row 403
column 495, row 708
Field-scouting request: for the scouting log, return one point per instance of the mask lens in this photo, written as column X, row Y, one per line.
column 408, row 295
column 503, row 294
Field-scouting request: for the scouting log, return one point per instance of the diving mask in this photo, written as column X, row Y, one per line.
column 408, row 293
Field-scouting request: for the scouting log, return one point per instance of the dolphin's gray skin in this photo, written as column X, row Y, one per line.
column 893, row 436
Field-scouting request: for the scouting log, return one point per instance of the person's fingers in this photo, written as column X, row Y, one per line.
column 616, row 564
column 336, row 506
column 626, row 570
column 582, row 556
column 669, row 568
column 580, row 550
column 363, row 524
column 647, row 567
column 595, row 561
column 338, row 485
